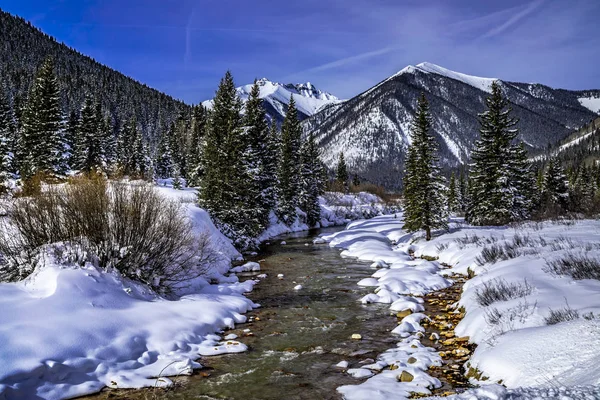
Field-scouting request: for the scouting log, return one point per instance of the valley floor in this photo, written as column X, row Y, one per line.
column 537, row 331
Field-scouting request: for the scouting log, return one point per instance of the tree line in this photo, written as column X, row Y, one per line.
column 500, row 185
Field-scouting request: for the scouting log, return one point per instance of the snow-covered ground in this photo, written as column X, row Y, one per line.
column 516, row 342
column 68, row 331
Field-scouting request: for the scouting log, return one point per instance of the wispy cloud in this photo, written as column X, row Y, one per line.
column 530, row 8
column 348, row 60
column 188, row 38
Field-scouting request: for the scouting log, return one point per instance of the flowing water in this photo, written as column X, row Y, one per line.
column 297, row 336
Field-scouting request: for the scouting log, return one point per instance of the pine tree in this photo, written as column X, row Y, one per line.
column 271, row 163
column 341, row 175
column 555, row 192
column 289, row 166
column 6, row 121
column 453, row 195
column 423, row 190
column 41, row 146
column 256, row 161
column 311, row 183
column 199, row 119
column 109, row 144
column 71, row 134
column 463, row 191
column 223, row 187
column 500, row 179
column 163, row 163
column 177, row 183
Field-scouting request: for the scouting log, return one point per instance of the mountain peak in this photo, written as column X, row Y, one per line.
column 308, row 98
column 430, row 68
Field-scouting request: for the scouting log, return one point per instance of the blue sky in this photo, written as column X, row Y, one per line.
column 183, row 47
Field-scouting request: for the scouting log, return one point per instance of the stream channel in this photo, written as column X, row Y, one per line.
column 297, row 336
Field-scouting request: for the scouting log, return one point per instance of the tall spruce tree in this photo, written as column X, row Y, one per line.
column 463, row 196
column 256, row 159
column 41, row 146
column 311, row 183
column 289, row 165
column 223, row 189
column 341, row 173
column 163, row 164
column 500, row 178
column 453, row 194
column 194, row 156
column 555, row 192
column 6, row 123
column 424, row 206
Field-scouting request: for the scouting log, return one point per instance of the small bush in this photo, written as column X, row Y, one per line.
column 561, row 315
column 500, row 290
column 577, row 266
column 128, row 227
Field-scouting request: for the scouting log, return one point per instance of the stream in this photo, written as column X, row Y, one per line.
column 296, row 337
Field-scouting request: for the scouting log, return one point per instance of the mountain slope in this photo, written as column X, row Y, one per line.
column 276, row 97
column 372, row 129
column 24, row 47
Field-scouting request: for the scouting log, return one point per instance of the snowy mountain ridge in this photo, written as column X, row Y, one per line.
column 372, row 128
column 276, row 97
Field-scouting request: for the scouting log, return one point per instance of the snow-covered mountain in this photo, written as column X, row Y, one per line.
column 372, row 129
column 276, row 97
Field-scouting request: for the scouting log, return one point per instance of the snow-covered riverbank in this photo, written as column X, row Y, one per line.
column 542, row 331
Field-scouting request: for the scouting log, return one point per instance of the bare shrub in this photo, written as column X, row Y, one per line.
column 129, row 227
column 577, row 266
column 500, row 290
column 561, row 315
column 441, row 247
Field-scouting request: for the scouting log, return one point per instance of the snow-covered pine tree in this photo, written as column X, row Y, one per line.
column 271, row 163
column 583, row 190
column 132, row 155
column 41, row 145
column 289, row 165
column 499, row 173
column 71, row 132
column 555, row 191
column 178, row 138
column 453, row 195
column 424, row 206
column 177, row 183
column 463, row 197
column 341, row 174
column 256, row 138
column 86, row 129
column 223, row 187
column 311, row 184
column 163, row 163
column 6, row 121
column 194, row 156
column 109, row 144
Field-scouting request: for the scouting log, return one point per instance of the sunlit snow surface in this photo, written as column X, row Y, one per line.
column 533, row 359
column 591, row 103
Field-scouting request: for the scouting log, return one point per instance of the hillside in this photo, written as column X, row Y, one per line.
column 23, row 48
column 372, row 129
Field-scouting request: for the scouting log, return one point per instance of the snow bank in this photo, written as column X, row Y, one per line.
column 67, row 331
column 398, row 280
column 336, row 209
column 515, row 343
